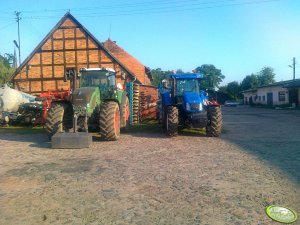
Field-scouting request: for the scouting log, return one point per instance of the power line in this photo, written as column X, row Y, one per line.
column 158, row 10
column 129, row 5
column 173, row 8
column 7, row 25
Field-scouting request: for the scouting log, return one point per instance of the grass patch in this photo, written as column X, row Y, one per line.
column 22, row 130
column 155, row 127
column 224, row 131
column 149, row 126
column 200, row 131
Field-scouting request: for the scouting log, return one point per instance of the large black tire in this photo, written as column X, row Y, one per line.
column 164, row 117
column 214, row 126
column 59, row 118
column 109, row 121
column 172, row 121
column 125, row 112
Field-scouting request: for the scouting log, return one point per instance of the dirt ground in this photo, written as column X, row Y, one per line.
column 146, row 178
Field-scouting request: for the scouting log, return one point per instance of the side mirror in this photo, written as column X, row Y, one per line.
column 69, row 74
column 165, row 83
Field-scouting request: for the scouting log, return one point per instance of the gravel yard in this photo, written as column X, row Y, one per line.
column 146, row 178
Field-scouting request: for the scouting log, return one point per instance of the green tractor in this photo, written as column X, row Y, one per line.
column 98, row 104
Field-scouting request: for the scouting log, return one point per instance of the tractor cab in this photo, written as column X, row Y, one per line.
column 184, row 91
column 97, row 77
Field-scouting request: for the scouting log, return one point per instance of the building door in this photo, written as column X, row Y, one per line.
column 270, row 98
column 250, row 101
column 293, row 96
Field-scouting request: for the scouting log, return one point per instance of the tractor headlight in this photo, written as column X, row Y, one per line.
column 200, row 107
column 188, row 106
column 194, row 106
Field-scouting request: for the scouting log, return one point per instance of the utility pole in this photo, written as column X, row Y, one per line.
column 18, row 18
column 293, row 92
column 294, row 68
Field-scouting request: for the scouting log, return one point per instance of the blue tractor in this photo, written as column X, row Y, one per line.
column 185, row 105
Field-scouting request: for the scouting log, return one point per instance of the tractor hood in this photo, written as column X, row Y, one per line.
column 191, row 97
column 83, row 96
column 192, row 102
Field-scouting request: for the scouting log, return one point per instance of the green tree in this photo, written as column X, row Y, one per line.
column 212, row 76
column 266, row 76
column 233, row 90
column 223, row 89
column 5, row 67
column 249, row 82
column 179, row 71
column 158, row 75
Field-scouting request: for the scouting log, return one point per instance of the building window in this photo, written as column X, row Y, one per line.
column 281, row 96
column 259, row 98
column 264, row 98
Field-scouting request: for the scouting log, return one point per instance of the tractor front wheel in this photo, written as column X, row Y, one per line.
column 109, row 121
column 172, row 121
column 59, row 118
column 214, row 126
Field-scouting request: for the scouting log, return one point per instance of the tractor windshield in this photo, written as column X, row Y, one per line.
column 186, row 85
column 97, row 78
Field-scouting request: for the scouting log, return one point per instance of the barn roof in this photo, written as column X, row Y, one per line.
column 68, row 15
column 128, row 60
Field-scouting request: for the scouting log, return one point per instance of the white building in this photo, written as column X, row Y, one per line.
column 275, row 94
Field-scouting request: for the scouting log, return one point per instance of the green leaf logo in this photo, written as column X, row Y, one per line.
column 281, row 214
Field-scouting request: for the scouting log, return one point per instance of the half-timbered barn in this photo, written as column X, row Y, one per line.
column 68, row 45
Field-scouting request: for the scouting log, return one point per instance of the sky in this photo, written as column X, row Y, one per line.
column 239, row 37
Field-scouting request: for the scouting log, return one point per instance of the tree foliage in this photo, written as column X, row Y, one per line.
column 249, row 82
column 6, row 69
column 264, row 77
column 234, row 89
column 212, row 76
column 158, row 75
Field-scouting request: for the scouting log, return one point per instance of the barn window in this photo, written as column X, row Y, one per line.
column 259, row 98
column 281, row 96
column 264, row 98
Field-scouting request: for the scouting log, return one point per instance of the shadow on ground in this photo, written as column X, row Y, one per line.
column 37, row 137
column 272, row 135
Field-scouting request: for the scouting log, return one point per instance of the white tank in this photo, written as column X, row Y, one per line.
column 11, row 99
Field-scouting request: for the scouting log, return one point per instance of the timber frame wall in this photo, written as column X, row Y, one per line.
column 68, row 45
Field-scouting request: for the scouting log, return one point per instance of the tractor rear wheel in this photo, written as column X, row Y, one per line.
column 214, row 126
column 109, row 121
column 172, row 121
column 125, row 112
column 59, row 118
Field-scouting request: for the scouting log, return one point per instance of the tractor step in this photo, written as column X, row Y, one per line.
column 71, row 140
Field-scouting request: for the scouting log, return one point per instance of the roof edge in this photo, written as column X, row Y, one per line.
column 58, row 24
